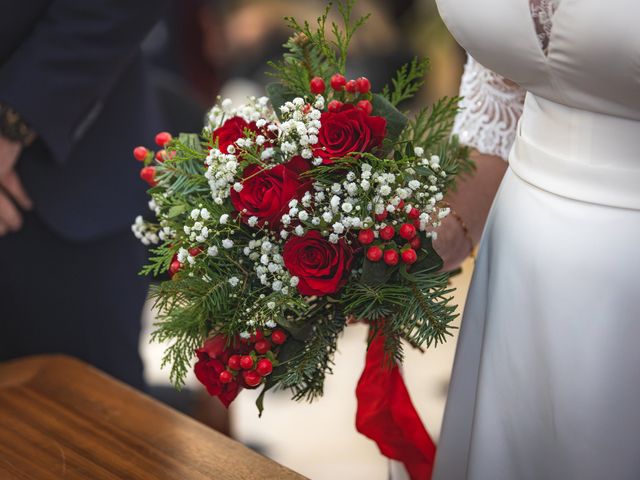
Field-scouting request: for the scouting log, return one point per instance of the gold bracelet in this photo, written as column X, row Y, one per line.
column 465, row 229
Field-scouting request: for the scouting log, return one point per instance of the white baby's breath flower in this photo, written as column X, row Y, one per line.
column 227, row 243
column 233, row 281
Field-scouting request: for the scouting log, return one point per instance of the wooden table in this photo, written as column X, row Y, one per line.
column 61, row 418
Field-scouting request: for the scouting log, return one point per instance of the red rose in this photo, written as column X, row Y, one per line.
column 348, row 130
column 230, row 131
column 321, row 266
column 211, row 361
column 266, row 193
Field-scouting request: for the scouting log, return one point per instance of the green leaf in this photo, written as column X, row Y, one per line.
column 278, row 95
column 191, row 140
column 430, row 261
column 176, row 210
column 396, row 120
column 375, row 273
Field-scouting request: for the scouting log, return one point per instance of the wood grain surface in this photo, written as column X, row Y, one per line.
column 63, row 419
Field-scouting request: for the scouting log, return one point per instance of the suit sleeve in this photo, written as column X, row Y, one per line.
column 58, row 79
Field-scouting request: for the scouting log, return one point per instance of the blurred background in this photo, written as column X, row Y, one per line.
column 204, row 49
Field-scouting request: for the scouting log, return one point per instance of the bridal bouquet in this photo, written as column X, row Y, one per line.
column 294, row 212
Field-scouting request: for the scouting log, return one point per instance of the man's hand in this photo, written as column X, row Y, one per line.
column 12, row 193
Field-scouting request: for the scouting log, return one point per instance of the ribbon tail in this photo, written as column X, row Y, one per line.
column 387, row 416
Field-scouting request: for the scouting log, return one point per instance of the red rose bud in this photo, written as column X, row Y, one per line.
column 252, row 378
column 304, row 257
column 226, row 377
column 387, row 233
column 246, row 362
column 262, row 346
column 407, row 231
column 365, row 106
column 338, row 82
column 234, row 362
column 409, row 256
column 265, row 367
column 335, row 106
column 374, row 254
column 163, row 138
column 391, row 257
column 351, row 86
column 414, row 213
column 140, row 153
column 278, row 337
column 365, row 237
column 174, row 267
column 381, row 216
column 364, row 85
column 400, row 205
column 148, row 174
column 317, row 85
column 415, row 242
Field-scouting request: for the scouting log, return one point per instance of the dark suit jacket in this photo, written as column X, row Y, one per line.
column 73, row 70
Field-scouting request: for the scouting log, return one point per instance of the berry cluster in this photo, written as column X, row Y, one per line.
column 345, row 91
column 252, row 359
column 393, row 244
column 142, row 154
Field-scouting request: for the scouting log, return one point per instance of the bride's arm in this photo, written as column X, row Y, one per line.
column 491, row 107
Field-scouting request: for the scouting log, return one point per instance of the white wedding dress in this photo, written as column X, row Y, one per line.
column 546, row 382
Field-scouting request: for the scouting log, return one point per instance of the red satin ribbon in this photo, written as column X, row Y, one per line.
column 387, row 416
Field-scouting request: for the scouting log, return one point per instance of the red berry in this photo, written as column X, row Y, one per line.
column 413, row 213
column 366, row 236
column 409, row 256
column 351, row 86
column 195, row 251
column 252, row 378
column 262, row 347
column 226, row 376
column 163, row 138
column 364, row 85
column 374, row 253
column 234, row 362
column 391, row 257
column 246, row 362
column 381, row 216
column 317, row 85
column 257, row 336
column 265, row 367
column 278, row 337
column 174, row 267
column 407, row 231
column 148, row 174
column 140, row 153
column 415, row 242
column 365, row 106
column 335, row 106
column 400, row 205
column 338, row 82
column 387, row 233
column 160, row 155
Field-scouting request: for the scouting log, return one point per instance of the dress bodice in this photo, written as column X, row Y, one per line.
column 593, row 55
column 577, row 134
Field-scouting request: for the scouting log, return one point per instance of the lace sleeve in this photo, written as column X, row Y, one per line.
column 490, row 109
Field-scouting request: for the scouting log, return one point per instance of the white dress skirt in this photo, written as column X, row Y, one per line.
column 546, row 382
